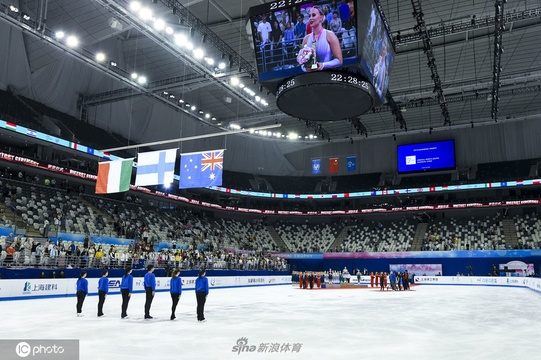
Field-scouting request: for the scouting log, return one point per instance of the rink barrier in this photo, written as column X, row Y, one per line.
column 46, row 288
column 520, row 282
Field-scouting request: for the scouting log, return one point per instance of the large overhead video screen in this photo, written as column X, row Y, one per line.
column 278, row 29
column 377, row 52
column 429, row 156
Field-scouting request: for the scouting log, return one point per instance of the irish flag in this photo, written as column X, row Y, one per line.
column 114, row 176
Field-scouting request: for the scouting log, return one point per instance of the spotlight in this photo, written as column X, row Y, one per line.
column 72, row 41
column 113, row 64
column 135, row 6
column 59, row 35
column 159, row 24
column 145, row 14
column 134, row 76
column 142, row 80
column 180, row 39
column 25, row 16
column 198, row 53
column 100, row 57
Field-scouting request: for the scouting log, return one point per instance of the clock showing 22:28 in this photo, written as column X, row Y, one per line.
column 348, row 79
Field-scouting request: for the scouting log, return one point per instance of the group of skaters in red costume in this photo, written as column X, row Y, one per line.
column 308, row 280
column 397, row 281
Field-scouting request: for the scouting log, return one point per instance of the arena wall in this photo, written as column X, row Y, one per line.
column 24, row 289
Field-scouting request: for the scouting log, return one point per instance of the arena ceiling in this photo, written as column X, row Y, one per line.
column 462, row 34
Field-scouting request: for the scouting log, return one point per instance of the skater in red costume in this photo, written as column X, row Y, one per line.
column 372, row 279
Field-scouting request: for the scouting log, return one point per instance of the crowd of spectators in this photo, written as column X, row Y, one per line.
column 27, row 252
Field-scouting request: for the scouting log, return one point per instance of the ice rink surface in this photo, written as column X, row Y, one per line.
column 283, row 322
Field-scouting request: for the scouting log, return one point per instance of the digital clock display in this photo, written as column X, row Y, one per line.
column 283, row 3
column 324, row 77
column 346, row 78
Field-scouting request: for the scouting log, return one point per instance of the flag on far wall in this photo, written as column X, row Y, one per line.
column 201, row 169
column 333, row 165
column 114, row 176
column 351, row 163
column 316, row 166
column 156, row 167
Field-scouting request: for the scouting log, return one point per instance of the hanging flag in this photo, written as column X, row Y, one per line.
column 114, row 176
column 11, row 126
column 201, row 169
column 333, row 165
column 155, row 167
column 316, row 166
column 351, row 163
column 73, row 145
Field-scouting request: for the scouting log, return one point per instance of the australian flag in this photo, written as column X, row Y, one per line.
column 201, row 169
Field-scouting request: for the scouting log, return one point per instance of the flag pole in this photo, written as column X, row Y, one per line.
column 192, row 138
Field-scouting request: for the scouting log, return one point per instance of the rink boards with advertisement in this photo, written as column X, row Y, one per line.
column 523, row 282
column 42, row 288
